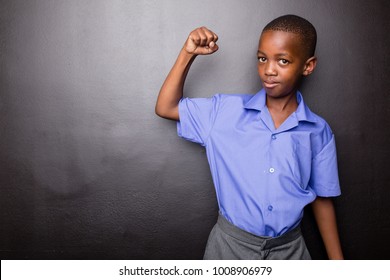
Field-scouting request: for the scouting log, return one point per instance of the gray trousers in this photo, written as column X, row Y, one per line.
column 228, row 242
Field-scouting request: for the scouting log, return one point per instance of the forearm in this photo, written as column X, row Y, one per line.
column 172, row 89
column 325, row 216
column 201, row 41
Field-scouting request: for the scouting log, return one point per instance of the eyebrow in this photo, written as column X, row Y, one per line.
column 278, row 54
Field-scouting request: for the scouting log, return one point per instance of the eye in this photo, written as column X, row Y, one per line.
column 284, row 61
column 262, row 59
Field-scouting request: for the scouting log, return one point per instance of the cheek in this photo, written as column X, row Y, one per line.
column 259, row 69
column 288, row 74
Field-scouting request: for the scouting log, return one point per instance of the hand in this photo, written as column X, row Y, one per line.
column 201, row 41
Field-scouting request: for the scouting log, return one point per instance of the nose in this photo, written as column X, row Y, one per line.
column 270, row 69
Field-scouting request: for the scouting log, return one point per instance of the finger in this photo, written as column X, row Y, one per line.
column 195, row 39
column 191, row 44
column 202, row 36
column 213, row 43
column 215, row 37
column 211, row 36
column 207, row 50
column 195, row 36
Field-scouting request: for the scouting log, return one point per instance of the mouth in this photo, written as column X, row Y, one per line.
column 270, row 84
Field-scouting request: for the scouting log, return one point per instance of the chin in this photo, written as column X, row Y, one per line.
column 272, row 92
column 275, row 93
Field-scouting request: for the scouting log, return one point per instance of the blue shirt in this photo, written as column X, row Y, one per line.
column 263, row 176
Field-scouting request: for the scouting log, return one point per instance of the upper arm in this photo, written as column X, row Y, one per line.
column 324, row 179
column 197, row 116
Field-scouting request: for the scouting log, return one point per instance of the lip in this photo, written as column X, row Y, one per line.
column 270, row 84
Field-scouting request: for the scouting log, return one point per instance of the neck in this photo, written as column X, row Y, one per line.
column 281, row 108
column 286, row 103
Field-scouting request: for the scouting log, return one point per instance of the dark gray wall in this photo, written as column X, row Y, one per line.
column 88, row 171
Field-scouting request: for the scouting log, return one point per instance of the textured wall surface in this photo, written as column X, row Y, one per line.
column 87, row 171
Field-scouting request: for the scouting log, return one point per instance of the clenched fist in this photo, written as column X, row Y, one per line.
column 201, row 41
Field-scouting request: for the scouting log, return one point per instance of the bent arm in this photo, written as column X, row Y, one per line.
column 325, row 216
column 201, row 41
column 171, row 92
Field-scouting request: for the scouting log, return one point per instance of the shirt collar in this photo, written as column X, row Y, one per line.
column 303, row 113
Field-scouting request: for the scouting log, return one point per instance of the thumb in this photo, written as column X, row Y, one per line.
column 211, row 48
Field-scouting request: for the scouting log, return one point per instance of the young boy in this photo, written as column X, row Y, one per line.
column 269, row 155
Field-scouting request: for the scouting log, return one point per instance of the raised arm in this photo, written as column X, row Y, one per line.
column 325, row 216
column 201, row 41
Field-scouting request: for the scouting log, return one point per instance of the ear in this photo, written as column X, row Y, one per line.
column 310, row 64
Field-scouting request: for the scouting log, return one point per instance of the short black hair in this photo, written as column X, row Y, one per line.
column 299, row 26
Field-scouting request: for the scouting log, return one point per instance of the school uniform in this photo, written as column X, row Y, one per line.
column 263, row 177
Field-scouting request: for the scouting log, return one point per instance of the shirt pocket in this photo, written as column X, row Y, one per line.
column 302, row 163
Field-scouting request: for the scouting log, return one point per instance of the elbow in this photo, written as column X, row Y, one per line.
column 166, row 113
column 157, row 111
column 160, row 112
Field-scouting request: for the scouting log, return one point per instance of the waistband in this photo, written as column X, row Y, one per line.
column 263, row 241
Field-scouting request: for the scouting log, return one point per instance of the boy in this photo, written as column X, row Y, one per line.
column 269, row 155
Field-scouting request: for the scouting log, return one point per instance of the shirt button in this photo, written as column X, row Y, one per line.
column 271, row 170
column 270, row 208
column 273, row 137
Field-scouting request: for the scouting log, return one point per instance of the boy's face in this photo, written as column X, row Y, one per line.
column 282, row 62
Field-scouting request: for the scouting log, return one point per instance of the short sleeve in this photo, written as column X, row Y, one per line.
column 324, row 178
column 196, row 116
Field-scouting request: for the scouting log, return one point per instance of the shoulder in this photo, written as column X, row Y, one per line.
column 216, row 104
column 317, row 123
column 222, row 98
column 228, row 99
column 320, row 131
column 322, row 124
